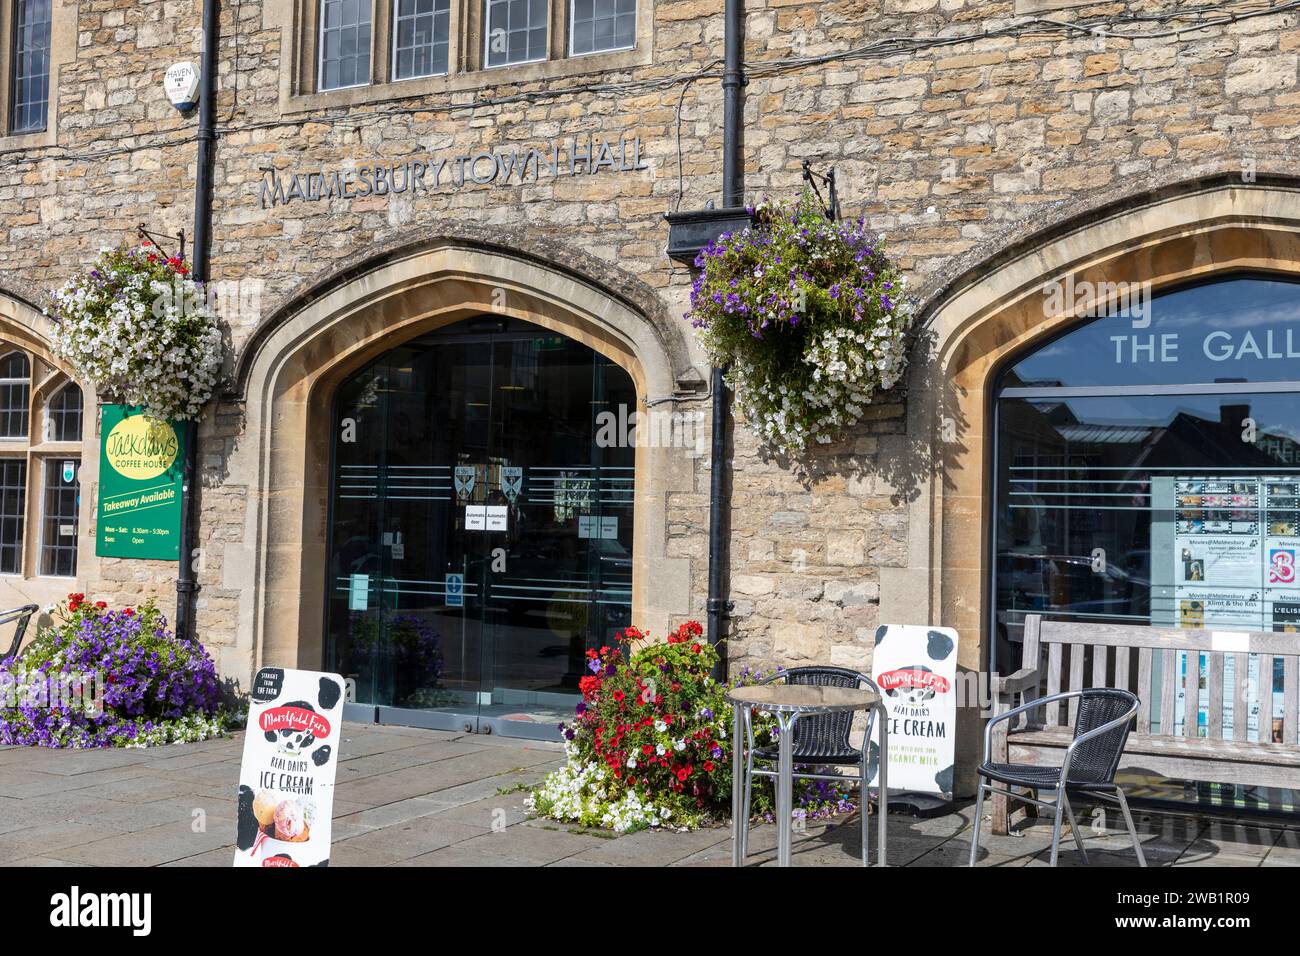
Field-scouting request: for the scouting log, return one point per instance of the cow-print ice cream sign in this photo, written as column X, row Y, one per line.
column 286, row 780
column 916, row 669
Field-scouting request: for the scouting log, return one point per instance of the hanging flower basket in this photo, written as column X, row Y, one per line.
column 141, row 330
column 808, row 316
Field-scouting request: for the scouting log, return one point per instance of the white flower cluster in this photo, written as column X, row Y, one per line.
column 181, row 730
column 140, row 340
column 578, row 793
column 847, row 365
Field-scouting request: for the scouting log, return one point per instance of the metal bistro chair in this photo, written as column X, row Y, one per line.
column 22, row 615
column 819, row 739
column 1101, row 729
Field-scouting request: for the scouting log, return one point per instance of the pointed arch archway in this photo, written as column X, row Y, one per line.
column 999, row 307
column 291, row 366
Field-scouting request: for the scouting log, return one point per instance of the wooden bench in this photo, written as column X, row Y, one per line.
column 1061, row 656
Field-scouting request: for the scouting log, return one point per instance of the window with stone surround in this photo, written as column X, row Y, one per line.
column 42, row 418
column 353, row 51
column 13, row 511
column 516, row 32
column 598, row 26
column 15, row 394
column 36, row 38
column 31, row 65
column 421, row 38
column 344, row 43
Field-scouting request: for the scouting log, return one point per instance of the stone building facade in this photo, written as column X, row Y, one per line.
column 999, row 147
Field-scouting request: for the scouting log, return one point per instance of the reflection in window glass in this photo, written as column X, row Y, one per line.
column 599, row 25
column 31, row 65
column 420, row 36
column 509, row 421
column 516, row 31
column 13, row 505
column 1238, row 330
column 15, row 395
column 344, row 43
column 64, row 414
column 1148, row 473
column 59, row 533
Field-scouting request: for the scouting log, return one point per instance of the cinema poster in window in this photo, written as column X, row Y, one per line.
column 286, row 779
column 1232, row 550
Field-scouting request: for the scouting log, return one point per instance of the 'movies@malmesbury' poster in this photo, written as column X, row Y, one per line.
column 286, row 780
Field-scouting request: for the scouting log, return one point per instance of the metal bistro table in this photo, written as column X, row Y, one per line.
column 788, row 702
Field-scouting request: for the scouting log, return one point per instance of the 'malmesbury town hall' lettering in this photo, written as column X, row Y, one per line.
column 577, row 156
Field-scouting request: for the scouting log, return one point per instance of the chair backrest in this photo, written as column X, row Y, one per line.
column 21, row 615
column 1096, row 760
column 1153, row 663
column 821, row 735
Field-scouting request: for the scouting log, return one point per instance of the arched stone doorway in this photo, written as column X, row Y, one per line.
column 1000, row 309
column 481, row 533
column 296, row 362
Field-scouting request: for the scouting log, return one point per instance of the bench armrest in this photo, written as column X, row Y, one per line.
column 1022, row 680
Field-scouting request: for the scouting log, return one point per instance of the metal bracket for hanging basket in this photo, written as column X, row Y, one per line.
column 831, row 204
column 144, row 233
column 689, row 232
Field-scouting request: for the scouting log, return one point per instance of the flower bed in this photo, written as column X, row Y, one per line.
column 107, row 678
column 809, row 318
column 650, row 743
column 139, row 328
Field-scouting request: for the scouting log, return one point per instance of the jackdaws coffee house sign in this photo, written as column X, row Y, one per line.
column 573, row 157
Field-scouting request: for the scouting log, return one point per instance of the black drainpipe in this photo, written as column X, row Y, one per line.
column 733, row 195
column 186, row 584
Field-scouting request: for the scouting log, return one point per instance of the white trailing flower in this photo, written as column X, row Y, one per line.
column 141, row 330
column 576, row 793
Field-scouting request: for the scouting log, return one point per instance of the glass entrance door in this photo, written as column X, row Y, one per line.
column 481, row 534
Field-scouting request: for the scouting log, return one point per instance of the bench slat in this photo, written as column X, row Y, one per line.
column 1122, row 677
column 1289, row 700
column 1191, row 693
column 1053, row 683
column 1215, row 730
column 1240, row 696
column 1076, row 680
column 1144, row 690
column 1265, row 688
column 1266, row 755
column 1249, row 764
column 1129, row 635
column 1099, row 656
column 1168, row 691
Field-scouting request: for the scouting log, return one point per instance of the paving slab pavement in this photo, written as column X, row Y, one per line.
column 412, row 797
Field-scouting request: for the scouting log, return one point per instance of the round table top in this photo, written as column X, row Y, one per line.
column 799, row 698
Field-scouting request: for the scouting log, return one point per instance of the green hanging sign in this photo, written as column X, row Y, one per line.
column 140, row 481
